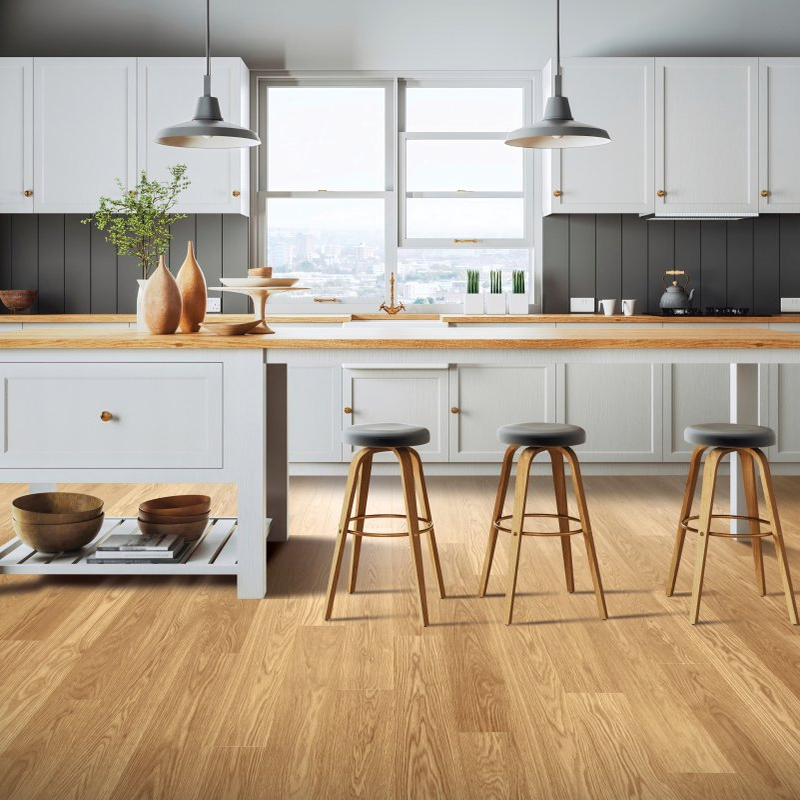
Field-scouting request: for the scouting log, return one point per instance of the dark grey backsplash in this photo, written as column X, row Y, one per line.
column 750, row 262
column 77, row 272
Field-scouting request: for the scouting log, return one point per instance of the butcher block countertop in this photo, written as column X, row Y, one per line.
column 680, row 337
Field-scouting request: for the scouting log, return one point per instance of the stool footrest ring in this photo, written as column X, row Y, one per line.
column 570, row 532
column 760, row 535
column 428, row 525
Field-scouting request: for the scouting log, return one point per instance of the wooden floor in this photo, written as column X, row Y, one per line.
column 171, row 688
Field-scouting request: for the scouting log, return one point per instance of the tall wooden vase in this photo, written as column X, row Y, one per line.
column 162, row 303
column 192, row 284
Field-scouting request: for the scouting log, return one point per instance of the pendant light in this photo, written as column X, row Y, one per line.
column 557, row 128
column 207, row 129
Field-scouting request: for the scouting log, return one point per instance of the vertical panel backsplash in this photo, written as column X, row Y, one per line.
column 749, row 262
column 77, row 272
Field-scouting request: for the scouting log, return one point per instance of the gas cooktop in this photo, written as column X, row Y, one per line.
column 710, row 311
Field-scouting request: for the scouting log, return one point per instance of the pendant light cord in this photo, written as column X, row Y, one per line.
column 557, row 86
column 207, row 78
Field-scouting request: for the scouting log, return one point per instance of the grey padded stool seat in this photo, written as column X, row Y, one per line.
column 556, row 440
column 717, row 440
column 399, row 439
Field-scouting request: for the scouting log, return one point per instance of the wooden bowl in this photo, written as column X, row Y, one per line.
column 179, row 505
column 58, row 538
column 230, row 328
column 18, row 299
column 165, row 519
column 187, row 530
column 260, row 272
column 52, row 508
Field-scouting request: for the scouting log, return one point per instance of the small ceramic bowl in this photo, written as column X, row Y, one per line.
column 260, row 272
column 18, row 299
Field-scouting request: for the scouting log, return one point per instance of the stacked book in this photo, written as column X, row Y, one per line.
column 136, row 548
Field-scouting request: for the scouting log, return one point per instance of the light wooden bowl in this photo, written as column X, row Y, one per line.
column 58, row 538
column 187, row 530
column 230, row 328
column 18, row 299
column 165, row 519
column 51, row 508
column 260, row 272
column 179, row 505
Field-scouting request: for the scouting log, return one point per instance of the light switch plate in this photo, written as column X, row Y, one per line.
column 581, row 305
column 213, row 305
column 790, row 305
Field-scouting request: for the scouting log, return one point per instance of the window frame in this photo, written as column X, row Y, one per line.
column 394, row 85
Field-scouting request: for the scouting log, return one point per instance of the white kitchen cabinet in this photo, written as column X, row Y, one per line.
column 393, row 393
column 314, row 413
column 779, row 133
column 615, row 178
column 16, row 135
column 167, row 93
column 619, row 406
column 486, row 396
column 84, row 124
column 783, row 412
column 706, row 130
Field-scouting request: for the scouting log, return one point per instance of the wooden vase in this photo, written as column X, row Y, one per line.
column 192, row 284
column 162, row 303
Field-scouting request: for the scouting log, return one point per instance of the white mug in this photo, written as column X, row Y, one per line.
column 628, row 307
column 608, row 307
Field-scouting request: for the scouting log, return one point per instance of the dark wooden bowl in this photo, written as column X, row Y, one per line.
column 180, row 505
column 18, row 299
column 53, row 508
column 164, row 519
column 187, row 530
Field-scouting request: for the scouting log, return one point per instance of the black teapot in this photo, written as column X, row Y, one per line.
column 675, row 295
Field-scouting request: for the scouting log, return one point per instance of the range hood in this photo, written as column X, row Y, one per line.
column 700, row 216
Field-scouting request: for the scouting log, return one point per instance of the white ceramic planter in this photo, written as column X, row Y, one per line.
column 495, row 304
column 518, row 303
column 473, row 303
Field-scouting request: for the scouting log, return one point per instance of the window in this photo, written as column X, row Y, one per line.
column 360, row 178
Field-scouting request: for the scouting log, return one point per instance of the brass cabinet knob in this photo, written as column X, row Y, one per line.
column 106, row 416
column 557, row 193
column 348, row 410
column 28, row 193
column 455, row 410
column 764, row 193
column 235, row 192
column 661, row 193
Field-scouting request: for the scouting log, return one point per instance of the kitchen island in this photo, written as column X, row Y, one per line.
column 204, row 408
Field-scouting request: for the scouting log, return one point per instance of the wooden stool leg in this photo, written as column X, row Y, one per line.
column 517, row 524
column 409, row 496
column 777, row 534
column 703, row 527
column 499, row 502
column 424, row 504
column 347, row 506
column 361, row 509
column 686, row 510
column 583, row 513
column 560, row 488
column 751, row 496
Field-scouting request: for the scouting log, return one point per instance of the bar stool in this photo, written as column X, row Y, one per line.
column 557, row 440
column 745, row 441
column 400, row 439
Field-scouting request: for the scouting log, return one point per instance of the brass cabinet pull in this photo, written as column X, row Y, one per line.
column 764, row 193
column 661, row 193
column 235, row 192
column 327, row 300
column 455, row 410
column 465, row 241
column 348, row 410
column 28, row 193
column 557, row 193
column 105, row 416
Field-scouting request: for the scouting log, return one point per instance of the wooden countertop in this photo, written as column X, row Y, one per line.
column 614, row 319
column 445, row 339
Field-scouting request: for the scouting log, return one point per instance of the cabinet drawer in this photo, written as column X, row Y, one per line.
column 162, row 415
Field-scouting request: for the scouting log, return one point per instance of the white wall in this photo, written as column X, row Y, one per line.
column 400, row 34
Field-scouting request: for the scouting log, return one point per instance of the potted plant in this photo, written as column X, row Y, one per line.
column 496, row 300
column 138, row 223
column 518, row 299
column 473, row 299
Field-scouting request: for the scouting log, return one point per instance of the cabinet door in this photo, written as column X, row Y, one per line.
column 783, row 414
column 416, row 395
column 487, row 396
column 779, row 134
column 619, row 406
column 615, row 178
column 168, row 92
column 84, row 125
column 314, row 413
column 16, row 135
column 707, row 135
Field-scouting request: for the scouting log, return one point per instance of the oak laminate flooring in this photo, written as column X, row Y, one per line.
column 172, row 688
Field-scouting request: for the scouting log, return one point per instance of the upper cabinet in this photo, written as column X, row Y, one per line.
column 706, row 128
column 615, row 178
column 84, row 131
column 16, row 135
column 168, row 92
column 779, row 134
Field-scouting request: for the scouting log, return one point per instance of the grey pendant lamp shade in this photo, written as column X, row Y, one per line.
column 557, row 129
column 207, row 129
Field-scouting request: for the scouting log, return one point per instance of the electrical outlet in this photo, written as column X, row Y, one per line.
column 213, row 305
column 790, row 305
column 581, row 305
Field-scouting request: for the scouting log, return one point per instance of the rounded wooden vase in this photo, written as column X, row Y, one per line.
column 192, row 284
column 162, row 302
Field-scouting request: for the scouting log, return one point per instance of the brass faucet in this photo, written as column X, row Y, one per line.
column 392, row 308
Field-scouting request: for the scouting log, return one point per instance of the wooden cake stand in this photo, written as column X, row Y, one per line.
column 259, row 295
